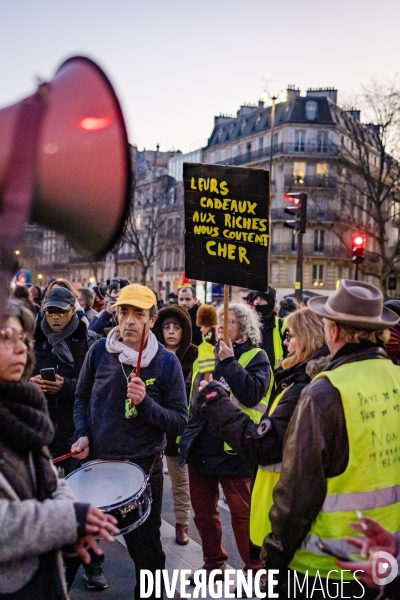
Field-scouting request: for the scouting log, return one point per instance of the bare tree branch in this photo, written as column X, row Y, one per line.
column 369, row 172
column 149, row 229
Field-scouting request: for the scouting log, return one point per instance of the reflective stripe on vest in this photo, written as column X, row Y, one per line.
column 205, row 357
column 256, row 412
column 361, row 500
column 261, row 496
column 370, row 394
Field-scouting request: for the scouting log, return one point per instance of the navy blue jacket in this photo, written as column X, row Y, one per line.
column 99, row 411
column 102, row 321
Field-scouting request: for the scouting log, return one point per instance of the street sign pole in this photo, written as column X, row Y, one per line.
column 298, row 286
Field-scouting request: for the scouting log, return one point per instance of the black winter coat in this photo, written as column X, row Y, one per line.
column 197, row 338
column 61, row 405
column 268, row 324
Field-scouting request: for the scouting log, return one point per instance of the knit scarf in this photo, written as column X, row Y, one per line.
column 57, row 339
column 129, row 356
column 25, row 425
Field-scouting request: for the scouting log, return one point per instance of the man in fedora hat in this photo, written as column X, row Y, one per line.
column 342, row 450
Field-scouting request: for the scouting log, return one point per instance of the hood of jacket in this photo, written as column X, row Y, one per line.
column 183, row 318
column 317, row 365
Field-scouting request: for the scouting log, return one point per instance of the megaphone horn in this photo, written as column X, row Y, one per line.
column 65, row 161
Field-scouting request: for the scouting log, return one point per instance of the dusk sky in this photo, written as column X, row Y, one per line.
column 175, row 64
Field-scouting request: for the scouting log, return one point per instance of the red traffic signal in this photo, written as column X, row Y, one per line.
column 358, row 242
column 293, row 198
column 299, row 211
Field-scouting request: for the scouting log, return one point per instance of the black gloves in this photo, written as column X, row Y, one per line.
column 212, row 391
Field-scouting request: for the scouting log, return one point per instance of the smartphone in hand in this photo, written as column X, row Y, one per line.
column 48, row 374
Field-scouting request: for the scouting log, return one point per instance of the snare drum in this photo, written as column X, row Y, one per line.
column 117, row 488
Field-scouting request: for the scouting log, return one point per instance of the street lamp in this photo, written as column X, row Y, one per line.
column 273, row 98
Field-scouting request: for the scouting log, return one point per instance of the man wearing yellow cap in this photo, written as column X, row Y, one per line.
column 119, row 416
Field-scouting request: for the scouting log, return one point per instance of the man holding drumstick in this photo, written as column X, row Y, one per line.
column 119, row 416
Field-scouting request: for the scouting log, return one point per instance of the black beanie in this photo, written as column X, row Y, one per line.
column 172, row 319
column 269, row 296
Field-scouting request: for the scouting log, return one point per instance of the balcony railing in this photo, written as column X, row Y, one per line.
column 313, row 181
column 76, row 260
column 329, row 251
column 302, row 150
column 126, row 255
column 313, row 214
column 282, row 249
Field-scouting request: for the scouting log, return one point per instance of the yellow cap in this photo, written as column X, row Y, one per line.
column 137, row 295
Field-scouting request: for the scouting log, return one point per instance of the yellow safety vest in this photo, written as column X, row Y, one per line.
column 257, row 411
column 261, row 496
column 370, row 394
column 205, row 357
column 277, row 343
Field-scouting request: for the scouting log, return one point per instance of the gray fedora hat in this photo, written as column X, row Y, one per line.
column 355, row 304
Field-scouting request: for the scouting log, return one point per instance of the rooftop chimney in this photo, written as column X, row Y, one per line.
column 330, row 93
column 292, row 92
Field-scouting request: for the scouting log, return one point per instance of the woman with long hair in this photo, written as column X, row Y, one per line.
column 38, row 512
column 263, row 443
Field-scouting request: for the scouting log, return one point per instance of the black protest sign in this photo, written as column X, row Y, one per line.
column 227, row 231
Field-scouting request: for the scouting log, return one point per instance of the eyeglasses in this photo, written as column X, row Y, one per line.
column 10, row 337
column 56, row 313
column 289, row 336
column 230, row 321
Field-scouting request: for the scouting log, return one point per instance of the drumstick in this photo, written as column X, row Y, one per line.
column 139, row 360
column 63, row 457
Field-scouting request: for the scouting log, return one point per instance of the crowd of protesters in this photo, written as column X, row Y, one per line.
column 294, row 414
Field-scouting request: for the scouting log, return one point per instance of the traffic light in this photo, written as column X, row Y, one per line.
column 357, row 248
column 298, row 210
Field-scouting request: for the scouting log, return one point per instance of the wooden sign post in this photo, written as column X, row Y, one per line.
column 226, row 311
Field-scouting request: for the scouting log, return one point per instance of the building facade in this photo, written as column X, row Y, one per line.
column 304, row 141
column 307, row 138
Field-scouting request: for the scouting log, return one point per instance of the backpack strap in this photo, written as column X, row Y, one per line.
column 166, row 367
